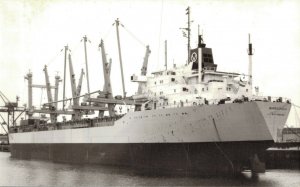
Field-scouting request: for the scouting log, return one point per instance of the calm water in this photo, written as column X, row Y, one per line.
column 41, row 173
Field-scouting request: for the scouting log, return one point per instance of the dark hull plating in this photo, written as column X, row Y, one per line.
column 171, row 158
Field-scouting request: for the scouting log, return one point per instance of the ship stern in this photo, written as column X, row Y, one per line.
column 275, row 115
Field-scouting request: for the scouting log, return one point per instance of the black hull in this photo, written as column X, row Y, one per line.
column 166, row 158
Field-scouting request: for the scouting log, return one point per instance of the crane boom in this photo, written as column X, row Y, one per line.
column 48, row 87
column 78, row 90
column 49, row 95
column 145, row 63
column 106, row 70
column 107, row 84
column 144, row 67
column 73, row 81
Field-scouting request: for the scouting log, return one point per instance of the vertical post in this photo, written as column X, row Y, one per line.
column 86, row 64
column 189, row 33
column 64, row 87
column 13, row 116
column 8, row 113
column 250, row 53
column 166, row 54
column 120, row 56
column 29, row 78
column 57, row 80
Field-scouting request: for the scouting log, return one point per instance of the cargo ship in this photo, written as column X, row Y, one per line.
column 187, row 119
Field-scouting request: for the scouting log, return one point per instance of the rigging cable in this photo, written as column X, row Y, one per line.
column 133, row 36
column 54, row 58
column 296, row 114
column 108, row 32
column 296, row 117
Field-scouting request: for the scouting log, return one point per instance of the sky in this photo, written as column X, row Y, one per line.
column 33, row 33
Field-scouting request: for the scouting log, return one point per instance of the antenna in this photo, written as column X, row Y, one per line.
column 188, row 29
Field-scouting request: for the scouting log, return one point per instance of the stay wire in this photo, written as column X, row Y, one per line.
column 296, row 114
column 108, row 32
column 133, row 36
column 54, row 58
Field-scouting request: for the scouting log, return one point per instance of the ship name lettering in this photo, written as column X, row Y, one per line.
column 277, row 108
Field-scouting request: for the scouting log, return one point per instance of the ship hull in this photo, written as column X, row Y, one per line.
column 215, row 158
column 209, row 139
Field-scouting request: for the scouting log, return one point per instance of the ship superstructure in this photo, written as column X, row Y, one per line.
column 186, row 85
column 191, row 119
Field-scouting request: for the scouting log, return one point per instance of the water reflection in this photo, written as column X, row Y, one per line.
column 41, row 173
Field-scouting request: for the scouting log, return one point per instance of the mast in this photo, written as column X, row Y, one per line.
column 189, row 33
column 57, row 80
column 64, row 87
column 120, row 56
column 250, row 53
column 86, row 64
column 29, row 79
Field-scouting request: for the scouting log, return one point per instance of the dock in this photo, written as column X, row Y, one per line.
column 285, row 154
column 4, row 148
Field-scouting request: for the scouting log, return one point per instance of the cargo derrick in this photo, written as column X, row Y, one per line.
column 78, row 89
column 53, row 117
column 107, row 83
column 76, row 115
column 30, row 109
column 9, row 108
